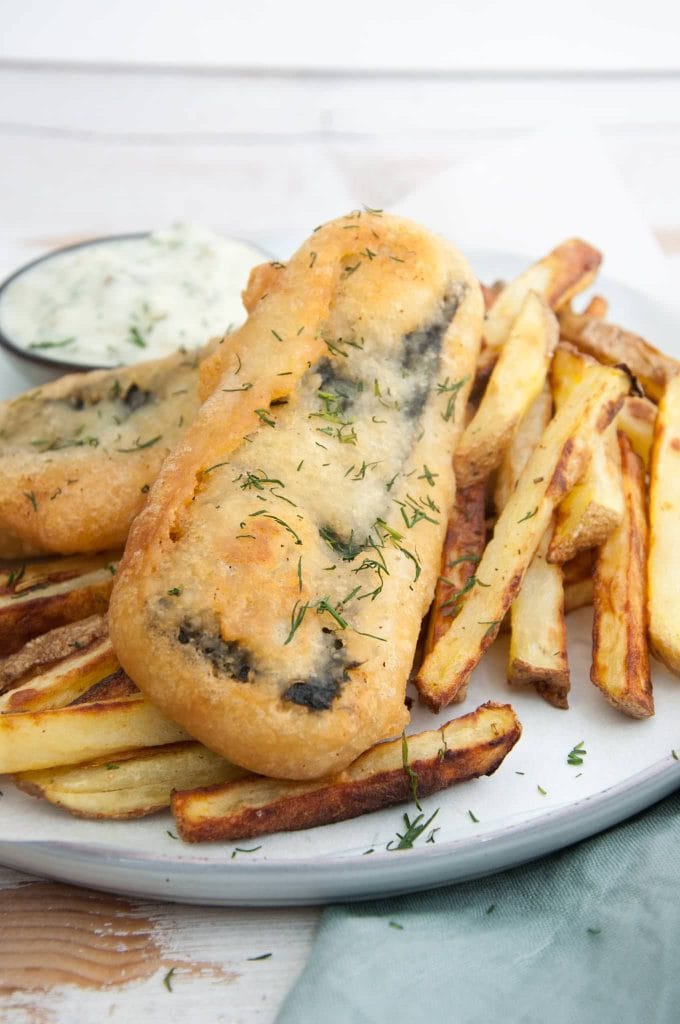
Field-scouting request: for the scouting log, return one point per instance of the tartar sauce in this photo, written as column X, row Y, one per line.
column 122, row 300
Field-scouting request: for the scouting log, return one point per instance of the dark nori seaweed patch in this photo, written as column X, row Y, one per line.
column 136, row 398
column 421, row 349
column 319, row 691
column 227, row 656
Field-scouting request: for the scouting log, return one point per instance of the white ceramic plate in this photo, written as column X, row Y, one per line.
column 536, row 802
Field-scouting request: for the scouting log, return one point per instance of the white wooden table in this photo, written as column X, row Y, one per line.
column 265, row 157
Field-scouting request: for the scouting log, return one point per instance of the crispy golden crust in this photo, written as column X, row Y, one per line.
column 236, row 607
column 56, row 645
column 42, row 596
column 78, row 455
column 464, row 748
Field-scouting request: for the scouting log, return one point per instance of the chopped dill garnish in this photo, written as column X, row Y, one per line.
column 312, row 259
column 299, row 573
column 577, row 753
column 529, row 515
column 244, row 387
column 324, row 605
column 245, row 849
column 174, row 591
column 492, row 625
column 414, row 829
column 296, row 618
column 277, row 336
column 428, row 475
column 543, row 792
column 167, row 980
column 281, row 522
column 31, row 497
column 140, row 445
column 452, row 391
column 265, row 417
column 135, row 338
column 412, row 776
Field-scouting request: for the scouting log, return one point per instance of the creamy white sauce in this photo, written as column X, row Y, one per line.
column 125, row 300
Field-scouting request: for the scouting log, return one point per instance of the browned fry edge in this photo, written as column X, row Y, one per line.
column 553, row 685
column 340, row 800
column 28, row 619
column 637, row 700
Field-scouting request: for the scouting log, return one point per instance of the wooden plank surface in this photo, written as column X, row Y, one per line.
column 262, row 156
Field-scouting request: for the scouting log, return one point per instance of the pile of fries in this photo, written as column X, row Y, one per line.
column 568, row 495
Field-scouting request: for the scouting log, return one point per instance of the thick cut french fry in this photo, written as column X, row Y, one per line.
column 538, row 641
column 664, row 531
column 132, row 784
column 636, row 420
column 594, row 507
column 464, row 748
column 62, row 682
column 560, row 275
column 598, row 307
column 538, row 646
column 463, row 547
column 614, row 346
column 551, row 472
column 517, row 379
column 46, row 739
column 620, row 657
column 39, row 596
column 523, row 444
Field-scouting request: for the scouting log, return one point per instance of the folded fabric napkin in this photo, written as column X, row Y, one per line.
column 589, row 934
column 586, row 935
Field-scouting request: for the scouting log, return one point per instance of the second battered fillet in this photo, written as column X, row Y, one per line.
column 78, row 455
column 272, row 590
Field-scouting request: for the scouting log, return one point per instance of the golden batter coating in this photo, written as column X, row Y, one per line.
column 78, row 455
column 272, row 590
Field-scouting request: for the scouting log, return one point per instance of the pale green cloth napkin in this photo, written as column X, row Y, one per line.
column 591, row 934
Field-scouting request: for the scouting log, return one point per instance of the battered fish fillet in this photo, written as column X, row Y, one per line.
column 272, row 589
column 78, row 456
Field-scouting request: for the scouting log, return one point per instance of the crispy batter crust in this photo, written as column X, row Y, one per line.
column 207, row 594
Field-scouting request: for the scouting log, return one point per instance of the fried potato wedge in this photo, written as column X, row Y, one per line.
column 664, row 531
column 32, row 740
column 636, row 420
column 135, row 783
column 598, row 307
column 557, row 463
column 522, row 446
column 39, row 596
column 594, row 507
column 516, row 380
column 620, row 657
column 463, row 547
column 614, row 346
column 464, row 748
column 538, row 645
column 560, row 275
column 538, row 633
column 53, row 670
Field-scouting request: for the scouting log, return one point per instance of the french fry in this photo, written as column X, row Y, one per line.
column 620, row 657
column 538, row 640
column 560, row 275
column 556, row 464
column 53, row 670
column 463, row 547
column 32, row 740
column 524, row 442
column 614, row 346
column 517, row 379
column 135, row 783
column 39, row 596
column 598, row 307
column 664, row 531
column 464, row 748
column 636, row 420
column 538, row 645
column 594, row 507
